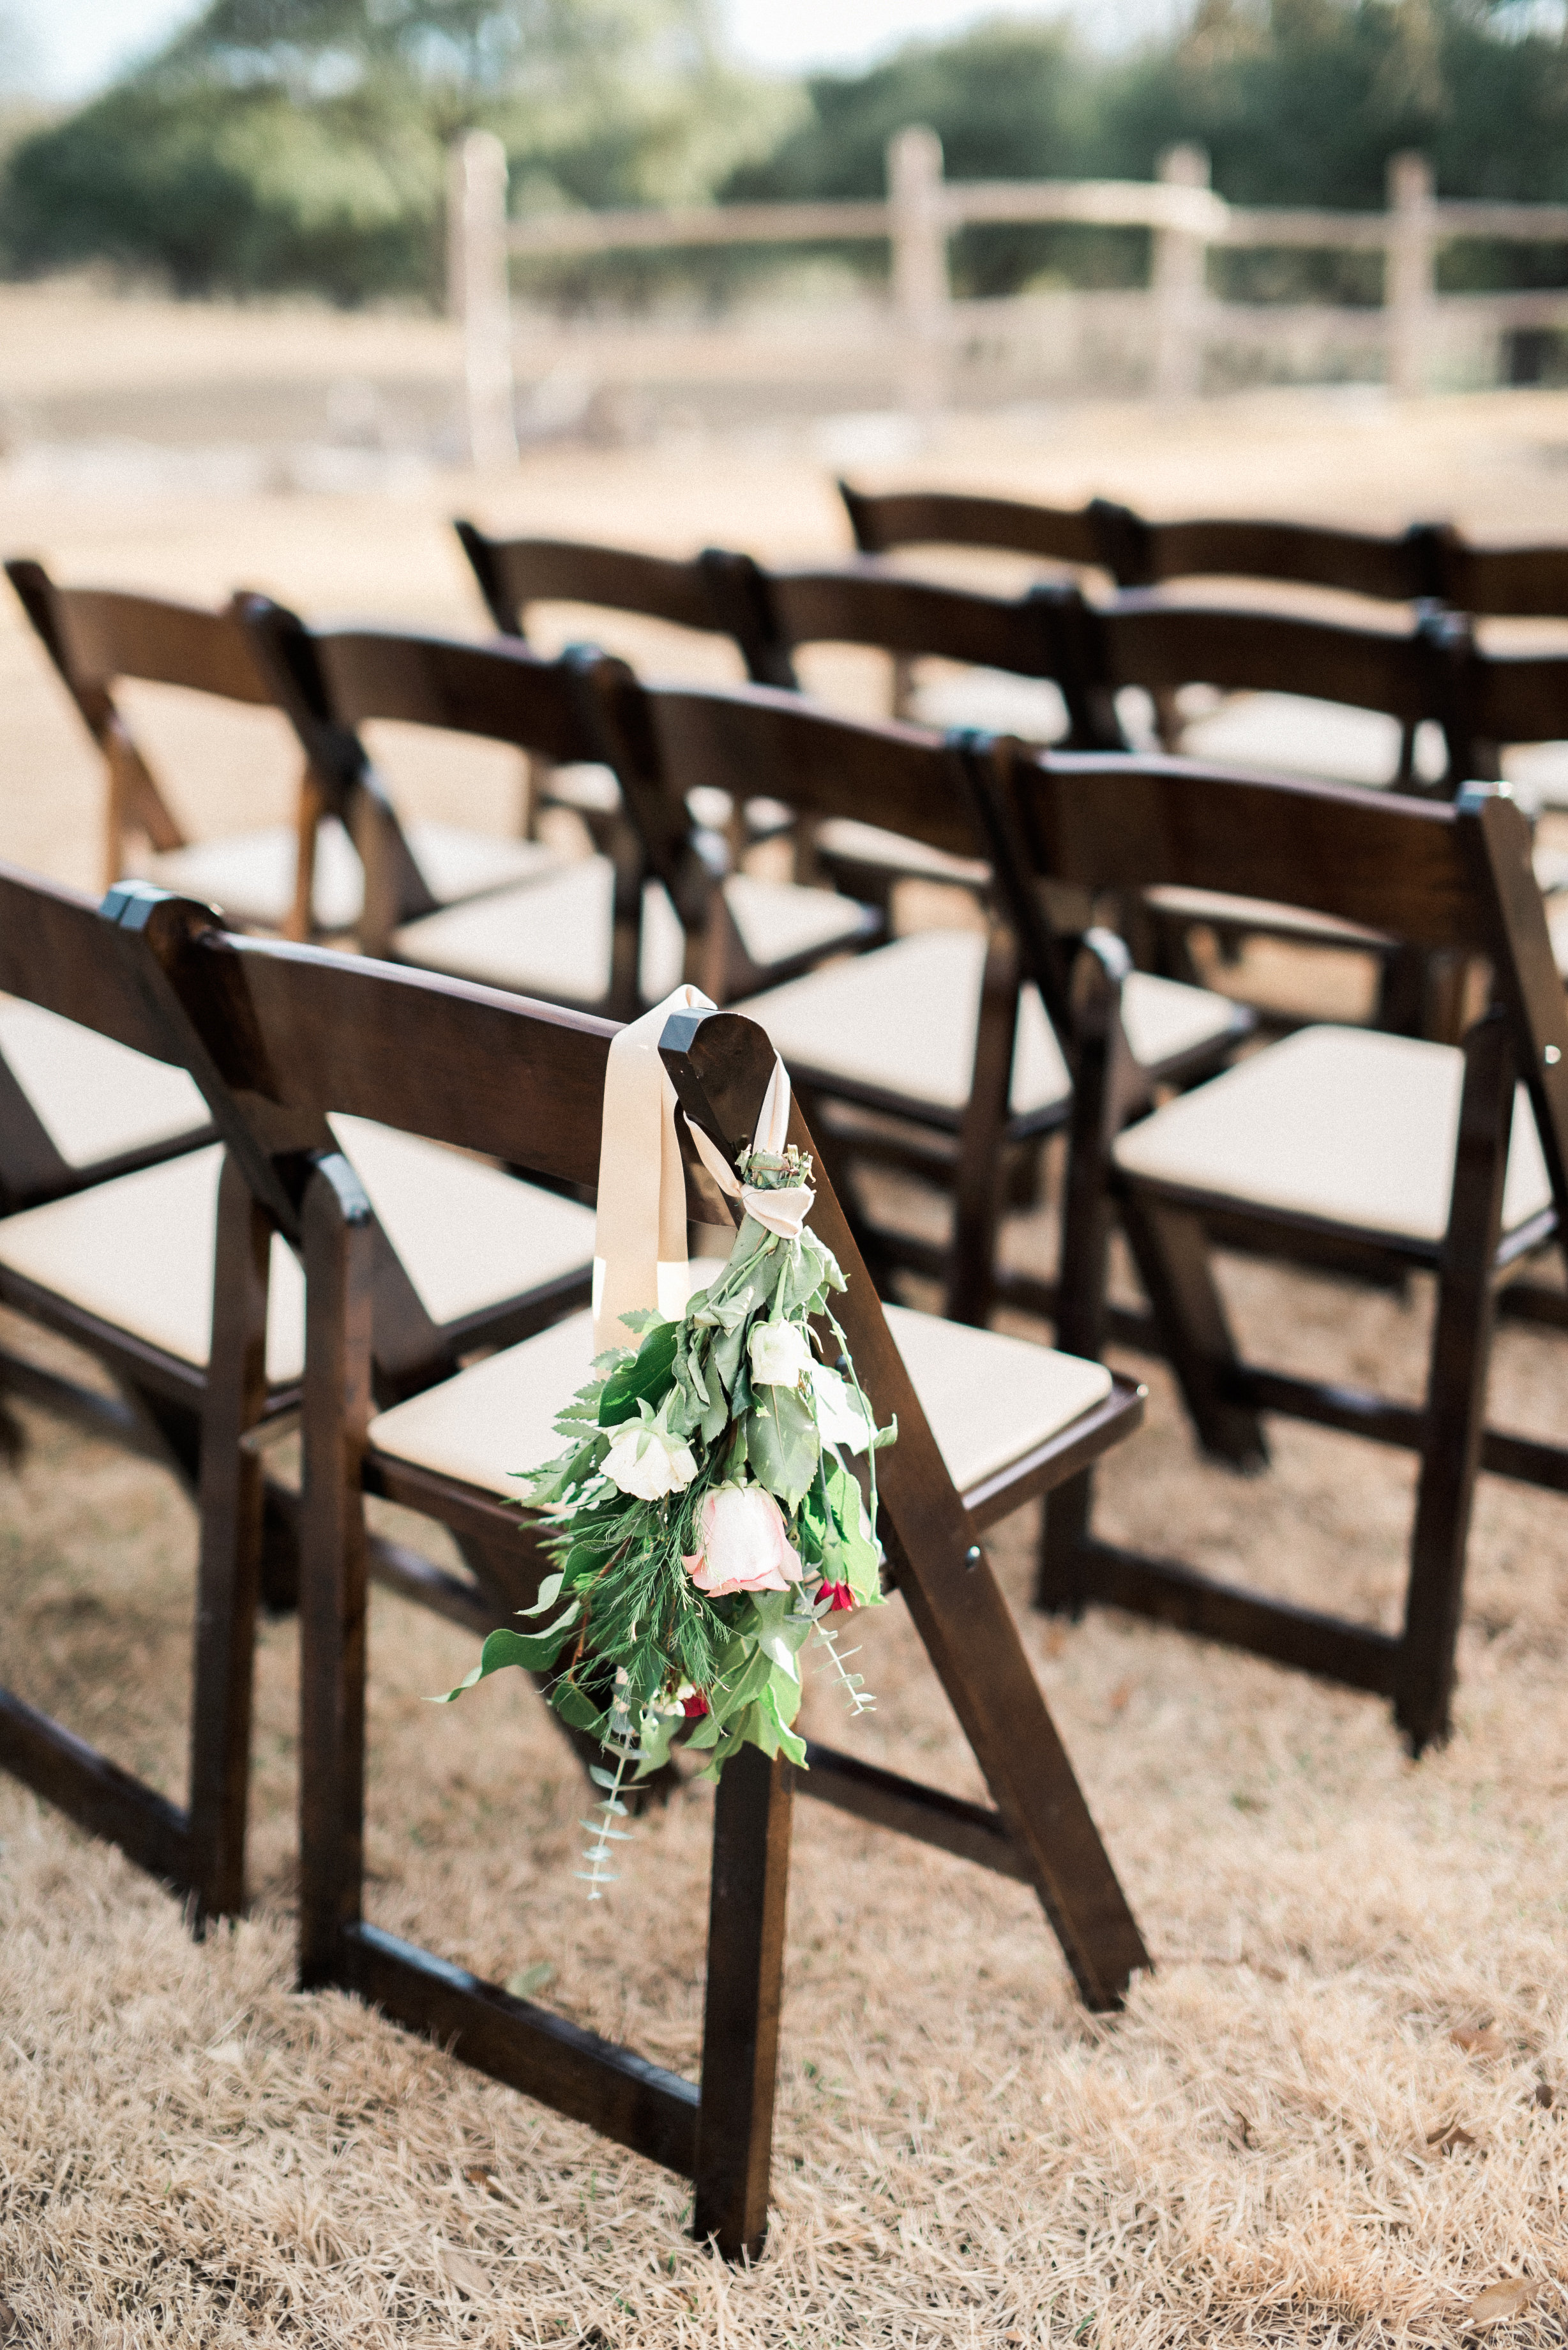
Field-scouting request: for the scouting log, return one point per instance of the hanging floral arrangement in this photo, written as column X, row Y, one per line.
column 703, row 1514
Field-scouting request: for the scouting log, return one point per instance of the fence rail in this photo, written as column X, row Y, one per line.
column 922, row 211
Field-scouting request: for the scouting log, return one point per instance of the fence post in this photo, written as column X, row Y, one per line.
column 921, row 294
column 478, row 293
column 1176, row 278
column 1411, row 279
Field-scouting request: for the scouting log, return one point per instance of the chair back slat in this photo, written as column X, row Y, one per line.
column 1400, row 570
column 56, row 953
column 107, row 635
column 502, row 693
column 1524, row 582
column 781, row 746
column 1114, row 823
column 517, row 573
column 308, row 1033
column 1163, row 646
column 953, row 518
column 864, row 605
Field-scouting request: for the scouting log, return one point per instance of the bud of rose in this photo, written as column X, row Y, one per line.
column 780, row 1355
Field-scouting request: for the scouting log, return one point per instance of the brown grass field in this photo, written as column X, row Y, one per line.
column 1281, row 2141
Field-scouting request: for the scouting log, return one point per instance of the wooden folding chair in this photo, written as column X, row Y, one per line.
column 591, row 933
column 1387, row 1150
column 298, row 878
column 286, row 1037
column 778, row 614
column 161, row 1270
column 934, row 1033
column 515, row 575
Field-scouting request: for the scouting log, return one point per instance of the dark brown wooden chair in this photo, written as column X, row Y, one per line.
column 776, row 614
column 161, row 1271
column 284, row 1038
column 515, row 575
column 928, row 1053
column 297, row 879
column 591, row 933
column 1384, row 1151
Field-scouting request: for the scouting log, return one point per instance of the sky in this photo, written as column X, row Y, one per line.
column 70, row 47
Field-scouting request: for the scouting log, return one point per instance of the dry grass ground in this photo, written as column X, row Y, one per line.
column 1281, row 2141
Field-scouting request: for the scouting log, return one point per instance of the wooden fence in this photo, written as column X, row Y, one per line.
column 923, row 210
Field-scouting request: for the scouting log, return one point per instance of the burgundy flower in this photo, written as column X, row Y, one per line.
column 840, row 1593
column 695, row 1706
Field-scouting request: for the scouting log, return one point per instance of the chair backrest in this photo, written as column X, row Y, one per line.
column 99, row 637
column 1453, row 879
column 667, row 741
column 1427, row 561
column 773, row 614
column 332, row 681
column 515, row 573
column 56, row 954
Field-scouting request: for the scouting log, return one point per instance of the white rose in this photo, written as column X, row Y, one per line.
column 840, row 1416
column 780, row 1355
column 648, row 1461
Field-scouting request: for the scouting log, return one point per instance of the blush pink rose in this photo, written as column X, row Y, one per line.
column 742, row 1543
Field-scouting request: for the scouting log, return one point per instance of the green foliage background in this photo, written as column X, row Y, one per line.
column 300, row 143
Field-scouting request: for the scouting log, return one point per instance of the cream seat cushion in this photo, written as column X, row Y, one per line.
column 902, row 1020
column 94, row 1099
column 893, row 852
column 989, row 1401
column 553, row 937
column 1340, row 1123
column 138, row 1252
column 250, row 876
column 1295, row 735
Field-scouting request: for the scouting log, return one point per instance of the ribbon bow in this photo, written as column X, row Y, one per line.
column 640, row 1227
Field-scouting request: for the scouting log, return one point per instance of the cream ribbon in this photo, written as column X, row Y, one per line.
column 640, row 1224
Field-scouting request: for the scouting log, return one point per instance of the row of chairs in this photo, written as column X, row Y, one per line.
column 320, row 1073
column 1425, row 1156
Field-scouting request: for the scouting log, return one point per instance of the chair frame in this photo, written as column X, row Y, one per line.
column 97, row 635
column 278, row 1035
column 1447, row 878
column 212, row 1426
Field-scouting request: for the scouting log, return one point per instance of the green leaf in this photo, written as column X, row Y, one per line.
column 647, row 1377
column 781, row 1444
column 643, row 1318
column 535, row 1652
column 549, row 1592
column 857, row 1551
column 572, row 1705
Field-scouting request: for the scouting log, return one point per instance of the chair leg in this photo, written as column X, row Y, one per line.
column 740, row 2018
column 1456, row 1390
column 1171, row 1252
column 333, row 1567
column 229, row 1573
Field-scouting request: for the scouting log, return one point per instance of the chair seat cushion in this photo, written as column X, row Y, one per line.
column 250, row 876
column 1290, row 922
column 552, row 938
column 1295, row 735
column 899, row 1024
column 1344, row 1125
column 991, row 1400
column 893, row 853
column 94, row 1099
column 138, row 1252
